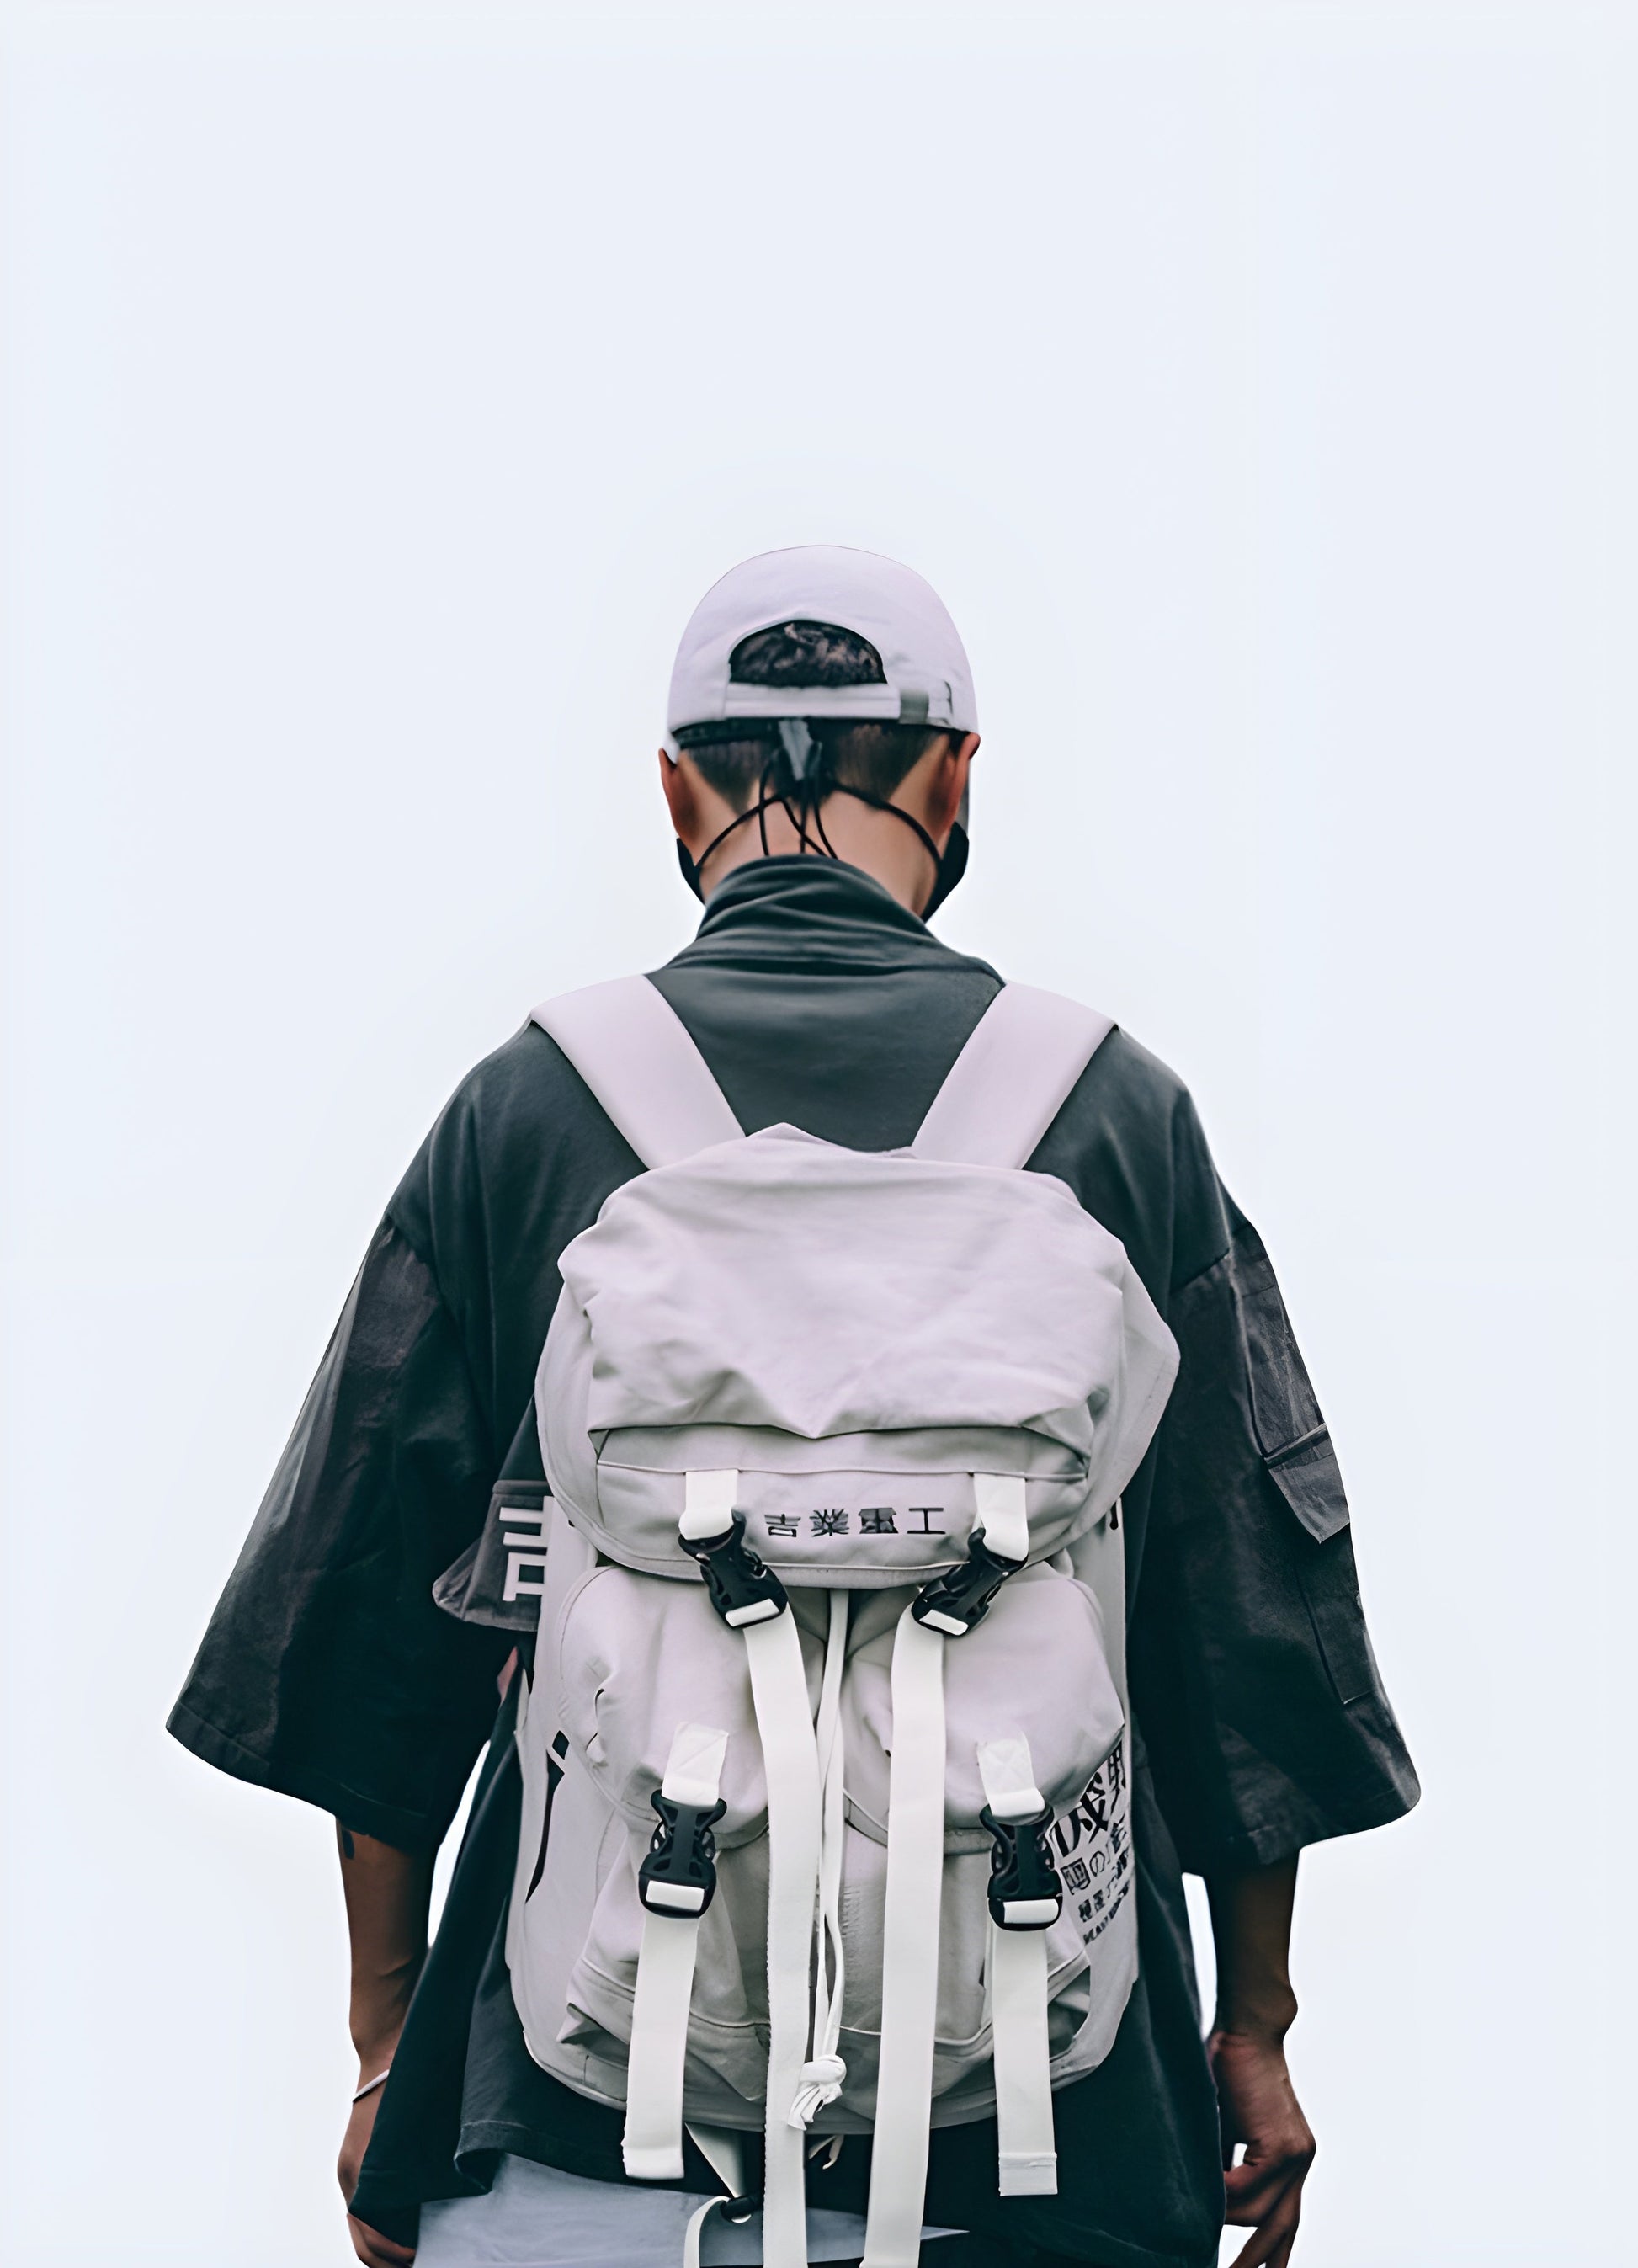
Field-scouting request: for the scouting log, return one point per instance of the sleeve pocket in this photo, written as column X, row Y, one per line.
column 1305, row 1473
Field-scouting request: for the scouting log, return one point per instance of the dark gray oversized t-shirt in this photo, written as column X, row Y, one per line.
column 329, row 1673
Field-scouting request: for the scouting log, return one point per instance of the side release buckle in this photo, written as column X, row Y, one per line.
column 678, row 1876
column 742, row 1588
column 1024, row 1890
column 954, row 1602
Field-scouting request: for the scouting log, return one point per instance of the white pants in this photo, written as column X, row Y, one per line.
column 535, row 2216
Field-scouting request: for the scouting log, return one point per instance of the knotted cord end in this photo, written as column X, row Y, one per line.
column 821, row 2083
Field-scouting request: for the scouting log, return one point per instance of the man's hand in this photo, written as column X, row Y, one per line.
column 369, row 2243
column 1251, row 1921
column 387, row 1892
column 1257, row 2106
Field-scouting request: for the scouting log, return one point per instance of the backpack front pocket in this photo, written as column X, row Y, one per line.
column 728, row 2016
column 637, row 1655
column 1036, row 1666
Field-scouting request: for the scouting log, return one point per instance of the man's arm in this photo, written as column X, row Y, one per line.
column 388, row 1893
column 1251, row 1922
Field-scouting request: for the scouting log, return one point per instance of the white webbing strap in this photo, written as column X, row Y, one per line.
column 708, row 1502
column 1027, row 2156
column 723, row 2151
column 1015, row 1980
column 1001, row 1513
column 708, row 1511
column 694, row 2234
column 633, row 1050
column 779, row 1692
column 1011, row 1079
column 651, row 2146
column 1008, row 1772
column 915, row 1862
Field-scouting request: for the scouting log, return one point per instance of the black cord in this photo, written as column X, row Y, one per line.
column 808, row 794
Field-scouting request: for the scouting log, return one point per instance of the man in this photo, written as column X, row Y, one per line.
column 816, row 773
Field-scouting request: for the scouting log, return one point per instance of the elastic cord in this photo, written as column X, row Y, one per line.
column 802, row 810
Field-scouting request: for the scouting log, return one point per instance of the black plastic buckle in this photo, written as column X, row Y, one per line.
column 679, row 1876
column 742, row 1589
column 954, row 1602
column 1022, row 1876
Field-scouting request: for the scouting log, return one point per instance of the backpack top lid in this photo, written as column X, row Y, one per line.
column 781, row 1281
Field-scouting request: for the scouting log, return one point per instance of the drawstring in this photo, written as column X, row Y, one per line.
column 823, row 2074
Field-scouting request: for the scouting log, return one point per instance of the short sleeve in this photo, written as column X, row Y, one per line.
column 1253, row 1680
column 328, row 1672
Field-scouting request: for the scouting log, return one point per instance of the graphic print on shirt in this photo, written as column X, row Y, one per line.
column 523, row 1540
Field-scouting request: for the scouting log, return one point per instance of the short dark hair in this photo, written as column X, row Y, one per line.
column 873, row 757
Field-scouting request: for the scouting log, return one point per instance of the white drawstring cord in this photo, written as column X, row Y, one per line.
column 822, row 2078
column 823, row 2075
column 371, row 2085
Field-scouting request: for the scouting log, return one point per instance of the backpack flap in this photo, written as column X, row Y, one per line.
column 857, row 1334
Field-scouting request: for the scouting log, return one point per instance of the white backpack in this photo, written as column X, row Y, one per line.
column 826, row 1814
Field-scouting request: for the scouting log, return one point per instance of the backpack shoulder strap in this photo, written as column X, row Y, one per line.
column 633, row 1050
column 1011, row 1079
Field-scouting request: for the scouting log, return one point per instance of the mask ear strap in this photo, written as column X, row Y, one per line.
column 880, row 803
column 763, row 797
column 951, row 867
column 692, row 867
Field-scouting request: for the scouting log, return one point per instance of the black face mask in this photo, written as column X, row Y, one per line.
column 801, row 808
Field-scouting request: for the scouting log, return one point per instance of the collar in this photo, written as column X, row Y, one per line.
column 821, row 913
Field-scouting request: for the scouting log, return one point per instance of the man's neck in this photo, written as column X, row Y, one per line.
column 874, row 841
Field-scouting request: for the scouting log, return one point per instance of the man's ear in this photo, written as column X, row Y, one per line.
column 678, row 788
column 947, row 783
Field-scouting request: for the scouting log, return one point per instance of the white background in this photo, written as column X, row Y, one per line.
column 1256, row 383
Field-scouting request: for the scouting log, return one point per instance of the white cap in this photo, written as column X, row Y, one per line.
column 928, row 680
